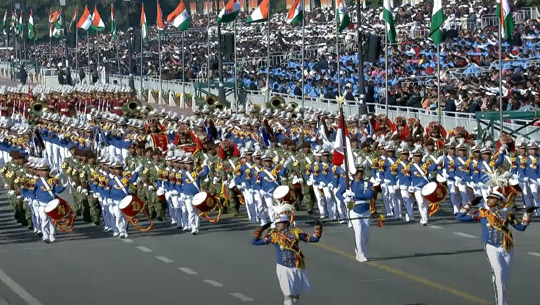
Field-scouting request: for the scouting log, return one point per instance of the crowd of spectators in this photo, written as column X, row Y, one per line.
column 468, row 56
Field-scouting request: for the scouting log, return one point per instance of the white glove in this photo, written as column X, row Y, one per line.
column 215, row 180
column 411, row 189
column 322, row 184
column 538, row 181
column 150, row 187
column 458, row 180
column 287, row 162
column 206, row 180
column 232, row 184
column 330, row 187
column 174, row 193
column 503, row 148
column 349, row 193
column 96, row 195
column 11, row 193
column 85, row 191
column 396, row 187
column 205, row 162
column 72, row 183
column 138, row 169
column 243, row 185
column 79, row 188
column 297, row 180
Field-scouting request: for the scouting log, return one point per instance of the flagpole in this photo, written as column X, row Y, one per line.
column 183, row 69
column 235, row 72
column 208, row 49
column 88, row 51
column 439, row 82
column 118, row 59
column 303, row 60
column 500, row 74
column 160, row 67
column 268, row 56
column 386, row 67
column 76, row 48
column 141, row 82
column 343, row 136
column 337, row 56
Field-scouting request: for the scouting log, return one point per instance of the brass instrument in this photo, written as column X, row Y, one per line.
column 133, row 106
column 293, row 105
column 277, row 102
column 211, row 100
column 219, row 106
column 39, row 107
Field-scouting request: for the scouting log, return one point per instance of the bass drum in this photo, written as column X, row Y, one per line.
column 57, row 209
column 434, row 192
column 283, row 194
column 131, row 206
column 204, row 202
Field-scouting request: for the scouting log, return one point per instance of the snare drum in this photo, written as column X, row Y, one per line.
column 131, row 206
column 57, row 209
column 283, row 193
column 434, row 192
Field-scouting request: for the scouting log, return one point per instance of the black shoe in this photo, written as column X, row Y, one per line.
column 24, row 223
column 97, row 222
column 78, row 213
column 159, row 218
column 225, row 210
column 39, row 234
column 310, row 211
column 31, row 227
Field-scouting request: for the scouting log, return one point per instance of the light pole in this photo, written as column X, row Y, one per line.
column 362, row 108
column 130, row 48
column 65, row 57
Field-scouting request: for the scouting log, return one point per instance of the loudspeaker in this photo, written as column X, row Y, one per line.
column 228, row 44
column 136, row 42
column 374, row 48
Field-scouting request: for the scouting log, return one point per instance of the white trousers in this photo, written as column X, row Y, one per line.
column 454, row 195
column 47, row 227
column 500, row 261
column 330, row 203
column 108, row 219
column 463, row 193
column 321, row 201
column 260, row 205
column 389, row 197
column 168, row 195
column 422, row 205
column 179, row 213
column 193, row 213
column 269, row 203
column 406, row 197
column 36, row 219
column 526, row 193
column 341, row 206
column 120, row 223
column 251, row 208
column 361, row 231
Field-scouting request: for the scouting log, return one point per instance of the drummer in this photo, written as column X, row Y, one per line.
column 419, row 178
column 357, row 199
column 191, row 185
column 119, row 188
column 45, row 190
column 268, row 179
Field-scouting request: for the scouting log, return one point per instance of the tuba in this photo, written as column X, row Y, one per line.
column 212, row 100
column 277, row 102
column 38, row 107
column 133, row 106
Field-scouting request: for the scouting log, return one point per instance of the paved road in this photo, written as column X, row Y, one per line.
column 442, row 263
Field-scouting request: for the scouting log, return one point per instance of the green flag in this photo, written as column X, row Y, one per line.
column 31, row 27
column 389, row 19
column 437, row 19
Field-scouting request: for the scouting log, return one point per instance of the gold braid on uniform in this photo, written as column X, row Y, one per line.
column 499, row 225
column 287, row 244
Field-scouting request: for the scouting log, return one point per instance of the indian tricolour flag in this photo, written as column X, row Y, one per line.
column 97, row 23
column 31, row 27
column 437, row 19
column 343, row 15
column 389, row 19
column 5, row 24
column 260, row 14
column 507, row 23
column 180, row 17
column 144, row 25
column 229, row 12
column 296, row 12
column 113, row 23
column 159, row 19
column 341, row 144
column 86, row 20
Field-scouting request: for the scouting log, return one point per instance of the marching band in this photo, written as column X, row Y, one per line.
column 119, row 160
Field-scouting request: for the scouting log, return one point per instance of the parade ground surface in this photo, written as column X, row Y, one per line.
column 441, row 264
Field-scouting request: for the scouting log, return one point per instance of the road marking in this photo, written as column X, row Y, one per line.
column 409, row 276
column 435, row 227
column 187, row 270
column 165, row 259
column 21, row 292
column 372, row 280
column 126, row 240
column 242, row 297
column 464, row 235
column 213, row 283
column 534, row 254
column 144, row 249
